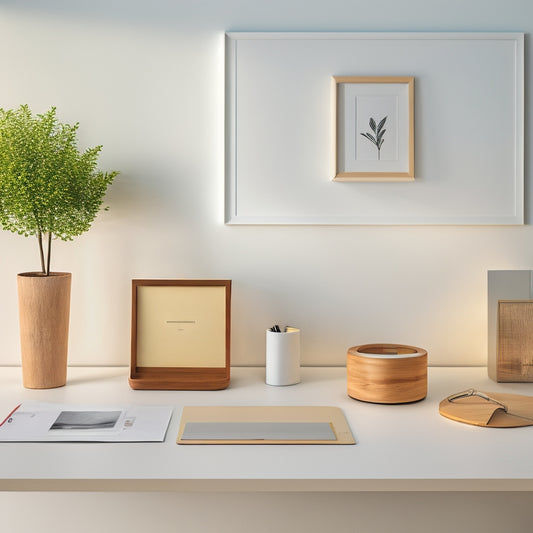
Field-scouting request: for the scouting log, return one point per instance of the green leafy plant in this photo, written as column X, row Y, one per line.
column 48, row 188
column 379, row 132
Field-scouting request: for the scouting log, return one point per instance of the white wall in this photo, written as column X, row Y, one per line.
column 146, row 80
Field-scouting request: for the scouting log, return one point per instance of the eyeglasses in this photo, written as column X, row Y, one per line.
column 473, row 392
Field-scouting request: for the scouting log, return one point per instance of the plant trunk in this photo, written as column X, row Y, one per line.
column 41, row 251
column 45, row 260
column 49, row 255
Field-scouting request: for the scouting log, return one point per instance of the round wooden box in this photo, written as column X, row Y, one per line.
column 387, row 373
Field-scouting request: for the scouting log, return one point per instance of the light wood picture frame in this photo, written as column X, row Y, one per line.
column 180, row 334
column 373, row 128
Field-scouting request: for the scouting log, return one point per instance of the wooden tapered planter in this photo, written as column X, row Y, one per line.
column 44, row 309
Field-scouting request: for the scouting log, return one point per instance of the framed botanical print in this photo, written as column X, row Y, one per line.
column 373, row 128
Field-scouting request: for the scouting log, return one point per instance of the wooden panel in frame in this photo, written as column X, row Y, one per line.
column 373, row 128
column 515, row 341
column 180, row 334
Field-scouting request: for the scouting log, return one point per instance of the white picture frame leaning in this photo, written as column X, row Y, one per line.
column 279, row 147
column 373, row 128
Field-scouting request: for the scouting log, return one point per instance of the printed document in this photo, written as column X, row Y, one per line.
column 40, row 422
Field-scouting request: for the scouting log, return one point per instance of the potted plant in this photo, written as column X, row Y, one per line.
column 50, row 190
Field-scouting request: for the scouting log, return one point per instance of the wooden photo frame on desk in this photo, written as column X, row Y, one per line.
column 180, row 334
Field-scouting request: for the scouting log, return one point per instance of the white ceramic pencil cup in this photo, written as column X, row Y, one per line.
column 283, row 357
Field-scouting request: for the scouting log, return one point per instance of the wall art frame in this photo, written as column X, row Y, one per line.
column 469, row 152
column 180, row 334
column 373, row 128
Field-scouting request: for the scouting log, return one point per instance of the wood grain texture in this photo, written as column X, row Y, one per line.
column 159, row 378
column 515, row 341
column 394, row 378
column 44, row 311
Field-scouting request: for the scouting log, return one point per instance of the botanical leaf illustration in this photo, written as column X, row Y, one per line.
column 378, row 140
column 369, row 137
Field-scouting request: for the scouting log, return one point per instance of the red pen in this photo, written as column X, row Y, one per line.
column 6, row 419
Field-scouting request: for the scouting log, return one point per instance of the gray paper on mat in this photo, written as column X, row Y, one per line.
column 258, row 431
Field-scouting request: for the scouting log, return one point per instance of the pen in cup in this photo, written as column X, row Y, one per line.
column 277, row 329
column 282, row 355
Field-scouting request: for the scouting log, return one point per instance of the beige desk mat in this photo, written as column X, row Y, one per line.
column 290, row 415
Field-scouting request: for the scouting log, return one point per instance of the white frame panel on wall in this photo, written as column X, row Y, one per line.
column 469, row 140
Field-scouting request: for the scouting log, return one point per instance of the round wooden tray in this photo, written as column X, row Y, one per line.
column 387, row 373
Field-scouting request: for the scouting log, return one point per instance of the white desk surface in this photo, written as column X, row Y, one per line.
column 399, row 447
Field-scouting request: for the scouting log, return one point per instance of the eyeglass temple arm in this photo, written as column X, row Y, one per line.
column 473, row 392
